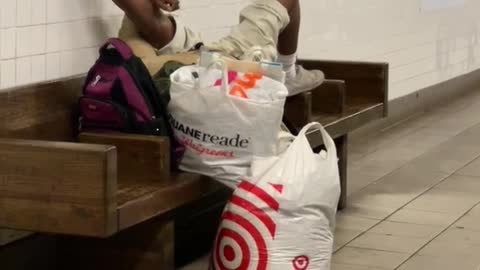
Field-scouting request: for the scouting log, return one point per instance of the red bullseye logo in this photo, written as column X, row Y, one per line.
column 301, row 263
column 246, row 229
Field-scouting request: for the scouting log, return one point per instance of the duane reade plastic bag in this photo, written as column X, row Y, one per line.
column 224, row 117
column 283, row 218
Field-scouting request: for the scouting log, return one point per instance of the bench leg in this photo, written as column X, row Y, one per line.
column 342, row 151
column 148, row 246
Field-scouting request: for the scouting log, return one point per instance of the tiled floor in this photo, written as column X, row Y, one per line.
column 414, row 195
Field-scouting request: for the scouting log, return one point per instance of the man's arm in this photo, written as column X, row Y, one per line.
column 151, row 22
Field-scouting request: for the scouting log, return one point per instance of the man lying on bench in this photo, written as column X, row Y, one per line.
column 272, row 25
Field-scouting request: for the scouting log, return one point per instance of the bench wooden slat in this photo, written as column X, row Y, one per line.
column 339, row 126
column 160, row 199
column 58, row 187
column 339, row 69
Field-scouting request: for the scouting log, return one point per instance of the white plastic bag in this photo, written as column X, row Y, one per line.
column 222, row 132
column 284, row 217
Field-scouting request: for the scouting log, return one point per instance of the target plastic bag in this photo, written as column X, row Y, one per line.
column 284, row 217
column 224, row 117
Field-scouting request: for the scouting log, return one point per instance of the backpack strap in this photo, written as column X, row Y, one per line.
column 120, row 46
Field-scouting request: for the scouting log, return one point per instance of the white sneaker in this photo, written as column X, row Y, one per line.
column 305, row 80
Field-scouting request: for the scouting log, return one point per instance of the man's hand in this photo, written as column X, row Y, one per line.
column 168, row 5
column 153, row 25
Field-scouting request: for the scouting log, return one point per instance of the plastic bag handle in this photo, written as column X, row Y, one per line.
column 212, row 65
column 120, row 46
column 327, row 139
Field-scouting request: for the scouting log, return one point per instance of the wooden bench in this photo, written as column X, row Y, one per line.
column 112, row 197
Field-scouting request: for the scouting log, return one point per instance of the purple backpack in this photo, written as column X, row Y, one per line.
column 120, row 95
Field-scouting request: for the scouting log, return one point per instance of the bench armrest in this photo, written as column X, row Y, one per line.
column 365, row 81
column 57, row 187
column 329, row 97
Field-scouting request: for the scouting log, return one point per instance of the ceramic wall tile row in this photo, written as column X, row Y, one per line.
column 50, row 39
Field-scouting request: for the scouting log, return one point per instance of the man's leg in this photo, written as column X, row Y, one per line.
column 298, row 79
column 288, row 38
column 273, row 26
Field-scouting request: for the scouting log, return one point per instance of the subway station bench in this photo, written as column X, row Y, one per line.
column 109, row 201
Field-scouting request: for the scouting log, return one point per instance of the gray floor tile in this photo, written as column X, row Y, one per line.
column 418, row 262
column 459, row 183
column 343, row 237
column 352, row 222
column 472, row 169
column 410, row 179
column 422, row 217
column 388, row 242
column 449, row 156
column 359, row 178
column 471, row 220
column 369, row 257
column 408, row 229
column 368, row 211
column 354, row 267
column 454, row 243
column 457, row 122
column 444, row 201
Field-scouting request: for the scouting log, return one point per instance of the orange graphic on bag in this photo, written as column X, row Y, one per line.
column 241, row 86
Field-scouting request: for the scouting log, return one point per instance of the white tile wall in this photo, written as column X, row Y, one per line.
column 8, row 43
column 424, row 46
column 23, row 73
column 48, row 39
column 8, row 13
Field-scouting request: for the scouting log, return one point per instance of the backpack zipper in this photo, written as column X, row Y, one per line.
column 96, row 81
